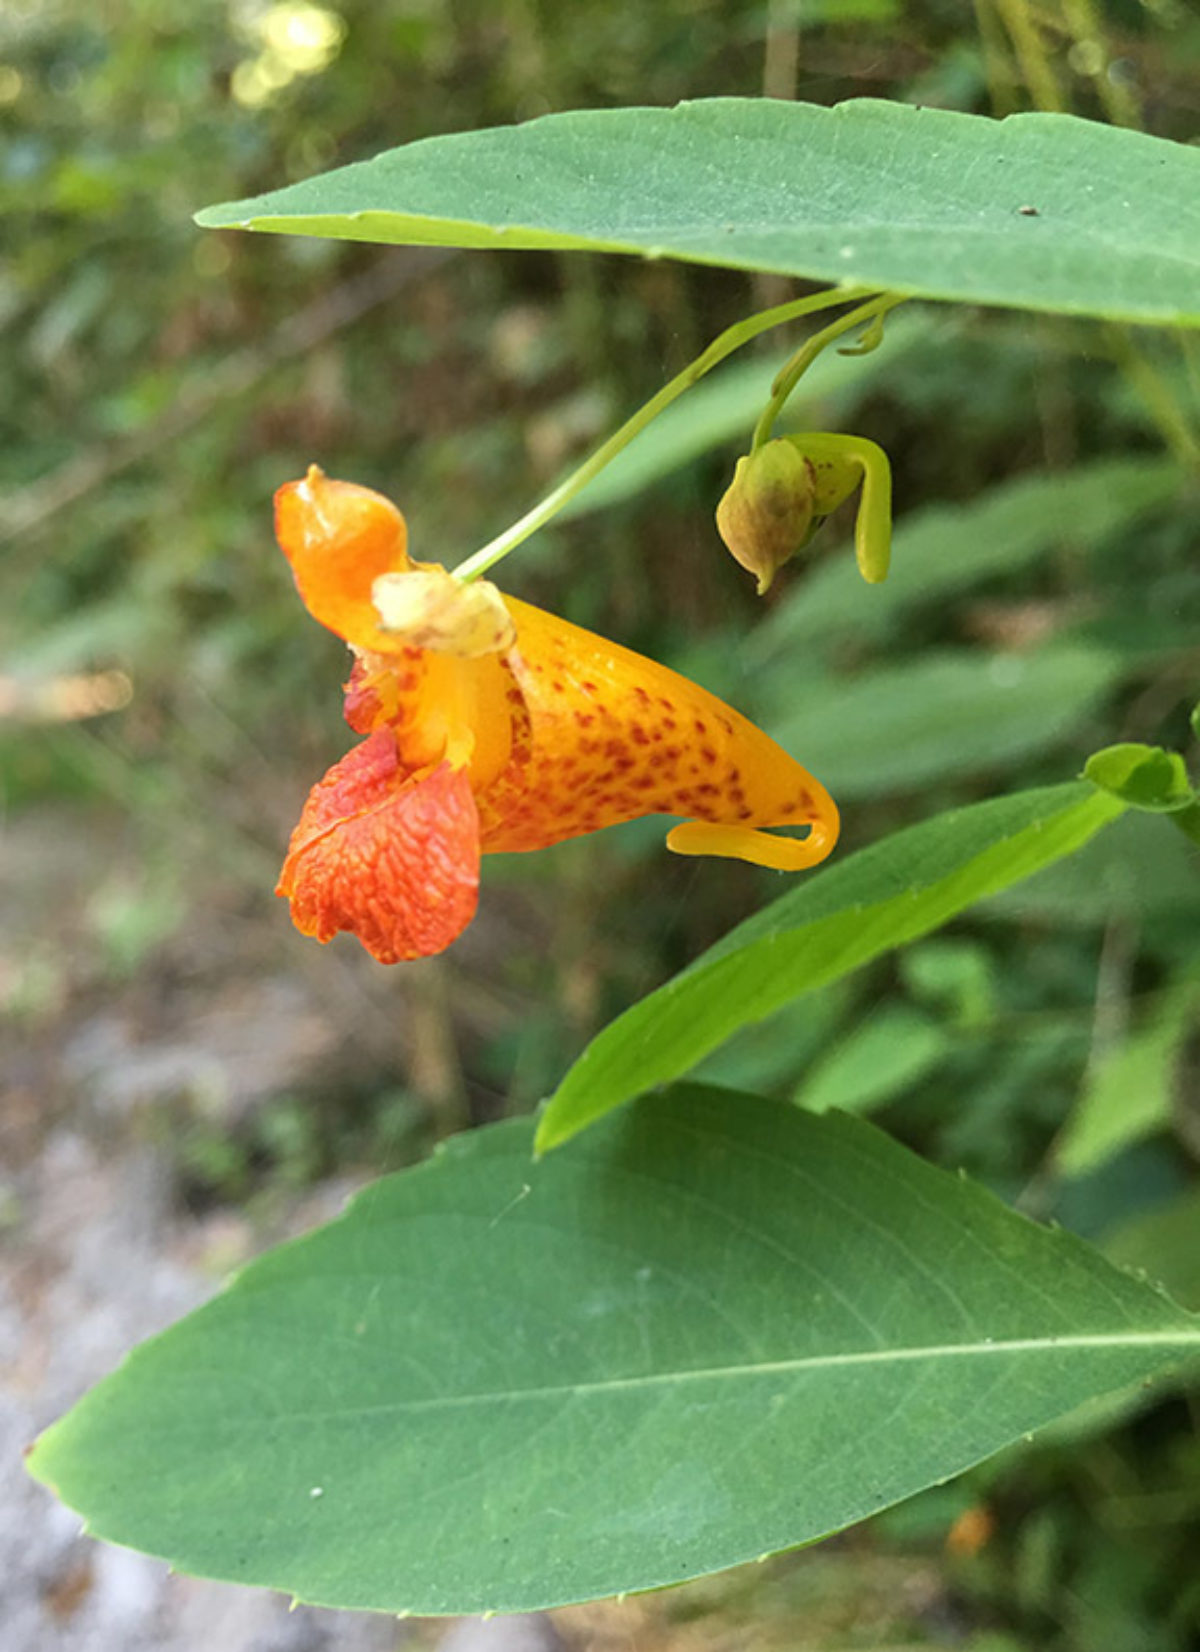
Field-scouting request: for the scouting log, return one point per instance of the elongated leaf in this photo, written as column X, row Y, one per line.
column 715, row 1328
column 834, row 922
column 956, row 712
column 944, row 550
column 1044, row 212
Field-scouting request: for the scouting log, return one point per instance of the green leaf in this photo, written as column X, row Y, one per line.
column 942, row 551
column 716, row 1328
column 1129, row 1093
column 901, row 727
column 880, row 1059
column 825, row 927
column 1144, row 777
column 1188, row 821
column 769, row 1056
column 1043, row 212
column 1136, row 870
column 1165, row 1243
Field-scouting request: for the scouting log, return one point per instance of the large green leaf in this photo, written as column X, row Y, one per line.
column 1044, row 212
column 715, row 1328
column 901, row 727
column 828, row 925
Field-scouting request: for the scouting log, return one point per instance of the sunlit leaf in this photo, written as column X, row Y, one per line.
column 1144, row 777
column 715, row 1327
column 832, row 923
column 1044, row 212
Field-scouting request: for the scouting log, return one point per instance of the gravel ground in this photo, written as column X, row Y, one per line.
column 98, row 1250
column 96, row 1259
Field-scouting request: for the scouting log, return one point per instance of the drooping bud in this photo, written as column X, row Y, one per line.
column 766, row 513
column 429, row 608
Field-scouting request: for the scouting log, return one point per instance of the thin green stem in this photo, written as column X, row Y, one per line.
column 997, row 64
column 723, row 345
column 1092, row 50
column 1172, row 420
column 788, row 378
column 1035, row 63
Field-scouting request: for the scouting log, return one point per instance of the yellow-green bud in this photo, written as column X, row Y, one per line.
column 766, row 513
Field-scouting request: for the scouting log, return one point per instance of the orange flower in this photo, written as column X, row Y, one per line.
column 514, row 731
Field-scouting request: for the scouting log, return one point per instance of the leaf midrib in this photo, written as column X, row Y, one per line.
column 1181, row 1340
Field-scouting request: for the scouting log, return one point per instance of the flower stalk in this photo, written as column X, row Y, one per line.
column 733, row 338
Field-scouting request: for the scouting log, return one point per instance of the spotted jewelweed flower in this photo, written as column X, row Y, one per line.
column 490, row 725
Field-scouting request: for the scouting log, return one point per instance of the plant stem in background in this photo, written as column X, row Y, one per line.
column 1035, row 63
column 723, row 345
column 1090, row 56
column 1157, row 394
column 997, row 62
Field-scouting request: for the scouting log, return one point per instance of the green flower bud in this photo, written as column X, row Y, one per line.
column 766, row 514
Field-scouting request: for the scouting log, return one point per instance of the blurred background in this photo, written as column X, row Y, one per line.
column 186, row 1080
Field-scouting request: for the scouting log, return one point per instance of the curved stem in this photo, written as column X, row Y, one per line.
column 790, row 375
column 723, row 345
column 1156, row 392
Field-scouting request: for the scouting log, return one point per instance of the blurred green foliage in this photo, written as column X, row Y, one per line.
column 161, row 690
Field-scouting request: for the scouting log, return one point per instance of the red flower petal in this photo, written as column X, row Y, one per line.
column 392, row 859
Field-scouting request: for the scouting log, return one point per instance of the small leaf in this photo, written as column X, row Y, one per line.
column 716, row 1327
column 880, row 1059
column 1128, row 1095
column 834, row 922
column 869, row 194
column 1144, row 777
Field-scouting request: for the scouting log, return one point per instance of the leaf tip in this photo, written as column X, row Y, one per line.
column 554, row 1128
column 544, row 1139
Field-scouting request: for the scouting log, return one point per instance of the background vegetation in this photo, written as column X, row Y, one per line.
column 166, row 704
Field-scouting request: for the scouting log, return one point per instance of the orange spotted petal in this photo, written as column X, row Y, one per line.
column 390, row 856
column 602, row 735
